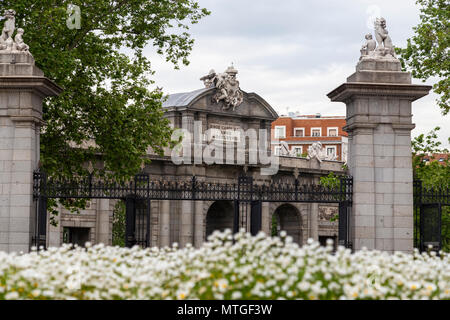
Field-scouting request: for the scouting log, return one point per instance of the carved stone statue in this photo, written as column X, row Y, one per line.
column 7, row 43
column 208, row 80
column 317, row 151
column 20, row 45
column 369, row 48
column 227, row 87
column 385, row 45
column 9, row 26
column 284, row 149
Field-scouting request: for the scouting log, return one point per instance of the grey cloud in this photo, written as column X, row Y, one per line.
column 292, row 52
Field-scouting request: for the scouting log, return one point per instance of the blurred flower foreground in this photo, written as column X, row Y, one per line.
column 259, row 267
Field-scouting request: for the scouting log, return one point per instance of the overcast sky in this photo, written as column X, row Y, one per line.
column 293, row 52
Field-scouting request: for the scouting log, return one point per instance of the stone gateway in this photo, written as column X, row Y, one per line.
column 378, row 97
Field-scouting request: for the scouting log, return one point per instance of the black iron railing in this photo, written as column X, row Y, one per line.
column 428, row 203
column 141, row 190
column 191, row 189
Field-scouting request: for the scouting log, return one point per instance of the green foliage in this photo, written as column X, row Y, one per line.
column 330, row 181
column 335, row 218
column 274, row 228
column 105, row 76
column 118, row 228
column 426, row 53
column 433, row 173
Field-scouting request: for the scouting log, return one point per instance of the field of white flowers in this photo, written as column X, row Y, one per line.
column 258, row 267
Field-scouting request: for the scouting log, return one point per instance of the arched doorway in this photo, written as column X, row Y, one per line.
column 219, row 217
column 287, row 218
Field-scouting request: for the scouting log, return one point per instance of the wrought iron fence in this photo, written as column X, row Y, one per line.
column 191, row 189
column 429, row 201
column 246, row 192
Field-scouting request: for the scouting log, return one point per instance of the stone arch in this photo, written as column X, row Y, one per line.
column 219, row 217
column 289, row 219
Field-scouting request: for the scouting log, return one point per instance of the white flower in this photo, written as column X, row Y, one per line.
column 266, row 267
column 236, row 295
column 12, row 295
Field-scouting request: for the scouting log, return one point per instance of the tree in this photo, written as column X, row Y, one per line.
column 433, row 174
column 119, row 224
column 105, row 77
column 426, row 53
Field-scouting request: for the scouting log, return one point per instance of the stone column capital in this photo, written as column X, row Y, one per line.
column 351, row 90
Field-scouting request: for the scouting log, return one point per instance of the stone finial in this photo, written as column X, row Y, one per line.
column 227, row 87
column 7, row 43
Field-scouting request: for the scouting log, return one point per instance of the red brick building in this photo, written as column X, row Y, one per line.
column 442, row 158
column 301, row 131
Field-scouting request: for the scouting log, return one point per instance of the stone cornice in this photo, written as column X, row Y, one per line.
column 403, row 126
column 349, row 90
column 41, row 85
column 359, row 125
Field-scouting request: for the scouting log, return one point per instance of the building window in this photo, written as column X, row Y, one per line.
column 331, row 151
column 316, row 132
column 332, row 132
column 280, row 132
column 297, row 151
column 299, row 132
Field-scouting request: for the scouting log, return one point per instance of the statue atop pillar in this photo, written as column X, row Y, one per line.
column 7, row 42
column 385, row 46
column 369, row 48
column 385, row 49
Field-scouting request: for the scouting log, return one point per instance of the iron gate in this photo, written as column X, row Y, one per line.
column 138, row 193
column 429, row 202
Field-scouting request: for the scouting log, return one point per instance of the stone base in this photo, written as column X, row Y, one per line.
column 18, row 63
column 379, row 63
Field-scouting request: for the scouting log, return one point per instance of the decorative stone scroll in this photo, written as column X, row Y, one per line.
column 227, row 87
column 7, row 43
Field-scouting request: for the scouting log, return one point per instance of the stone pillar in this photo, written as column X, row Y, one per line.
column 22, row 90
column 379, row 123
column 103, row 216
column 314, row 221
column 54, row 233
column 199, row 226
column 266, row 224
column 186, row 227
column 165, row 223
